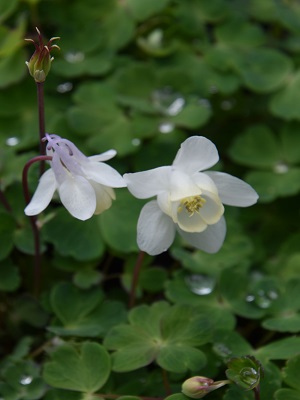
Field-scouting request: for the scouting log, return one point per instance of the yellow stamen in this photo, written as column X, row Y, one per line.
column 192, row 204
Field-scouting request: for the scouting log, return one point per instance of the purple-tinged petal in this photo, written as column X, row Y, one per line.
column 43, row 194
column 104, row 174
column 78, row 196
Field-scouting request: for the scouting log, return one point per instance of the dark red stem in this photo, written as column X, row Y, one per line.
column 41, row 111
column 256, row 391
column 33, row 222
column 135, row 278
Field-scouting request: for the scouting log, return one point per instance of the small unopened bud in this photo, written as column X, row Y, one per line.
column 40, row 62
column 199, row 386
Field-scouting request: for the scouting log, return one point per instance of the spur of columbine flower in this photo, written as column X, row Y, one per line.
column 84, row 184
column 40, row 62
column 187, row 200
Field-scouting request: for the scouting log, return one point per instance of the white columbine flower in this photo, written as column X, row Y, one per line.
column 187, row 200
column 84, row 184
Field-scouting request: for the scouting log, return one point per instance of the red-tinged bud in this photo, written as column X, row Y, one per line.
column 40, row 62
column 199, row 386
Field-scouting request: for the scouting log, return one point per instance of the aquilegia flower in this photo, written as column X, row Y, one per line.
column 187, row 200
column 84, row 184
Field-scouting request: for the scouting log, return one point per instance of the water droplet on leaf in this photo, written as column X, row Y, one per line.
column 281, row 168
column 200, row 284
column 12, row 141
column 136, row 142
column 222, row 350
column 74, row 57
column 166, row 127
column 26, row 380
column 65, row 87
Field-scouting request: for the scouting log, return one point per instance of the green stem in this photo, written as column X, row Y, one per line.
column 33, row 222
column 41, row 112
column 135, row 278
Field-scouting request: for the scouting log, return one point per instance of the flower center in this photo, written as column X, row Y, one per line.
column 192, row 204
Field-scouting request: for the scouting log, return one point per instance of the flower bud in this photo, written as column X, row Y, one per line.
column 199, row 386
column 40, row 62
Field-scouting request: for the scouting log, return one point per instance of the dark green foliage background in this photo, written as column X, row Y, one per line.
column 141, row 76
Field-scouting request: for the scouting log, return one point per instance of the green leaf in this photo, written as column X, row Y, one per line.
column 84, row 367
column 9, row 276
column 64, row 232
column 284, row 103
column 160, row 333
column 125, row 209
column 83, row 312
column 249, row 34
column 192, row 116
column 287, row 394
column 228, row 343
column 290, row 140
column 71, row 304
column 7, row 8
column 146, row 9
column 263, row 70
column 87, row 277
column 270, row 185
column 256, row 147
column 78, row 63
column 59, row 394
column 291, row 372
column 21, row 381
column 153, row 279
column 12, row 68
column 282, row 349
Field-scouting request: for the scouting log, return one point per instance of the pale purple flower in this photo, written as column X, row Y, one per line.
column 187, row 200
column 84, row 184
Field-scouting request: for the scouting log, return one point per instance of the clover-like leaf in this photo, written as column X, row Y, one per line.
column 84, row 367
column 83, row 312
column 168, row 335
column 291, row 372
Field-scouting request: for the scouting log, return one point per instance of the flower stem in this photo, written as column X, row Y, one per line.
column 135, row 278
column 256, row 391
column 41, row 112
column 33, row 222
column 166, row 382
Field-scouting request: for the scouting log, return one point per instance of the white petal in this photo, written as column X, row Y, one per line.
column 43, row 194
column 210, row 240
column 104, row 197
column 212, row 210
column 233, row 191
column 148, row 183
column 205, row 182
column 188, row 222
column 78, row 196
column 196, row 154
column 182, row 185
column 104, row 174
column 156, row 231
column 104, row 156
